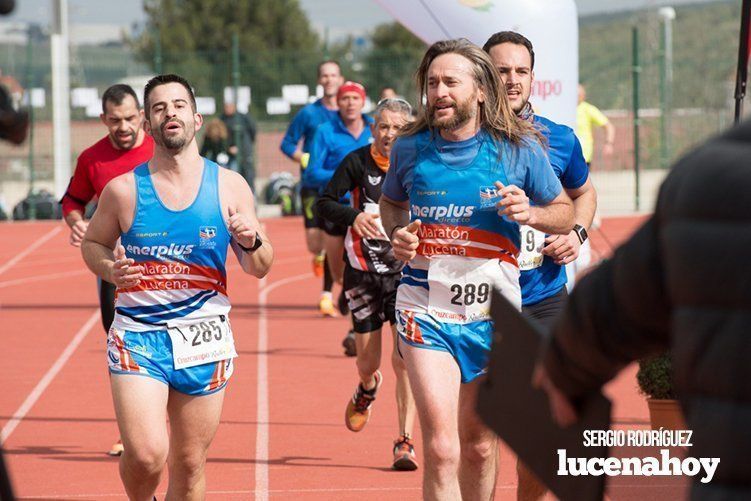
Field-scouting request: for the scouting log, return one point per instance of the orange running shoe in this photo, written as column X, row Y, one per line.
column 358, row 408
column 117, row 449
column 326, row 306
column 318, row 265
column 404, row 454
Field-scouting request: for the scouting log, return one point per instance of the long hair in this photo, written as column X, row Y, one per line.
column 496, row 115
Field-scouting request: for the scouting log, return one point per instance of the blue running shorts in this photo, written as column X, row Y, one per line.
column 468, row 343
column 150, row 354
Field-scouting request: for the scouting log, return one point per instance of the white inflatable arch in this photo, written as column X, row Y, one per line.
column 551, row 25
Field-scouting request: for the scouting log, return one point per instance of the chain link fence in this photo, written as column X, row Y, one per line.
column 698, row 104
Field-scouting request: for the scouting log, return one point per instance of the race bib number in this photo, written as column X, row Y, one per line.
column 372, row 208
column 460, row 288
column 204, row 341
column 532, row 243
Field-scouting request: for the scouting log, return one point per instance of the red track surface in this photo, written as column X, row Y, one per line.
column 282, row 433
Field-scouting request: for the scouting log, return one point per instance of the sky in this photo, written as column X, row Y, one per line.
column 341, row 17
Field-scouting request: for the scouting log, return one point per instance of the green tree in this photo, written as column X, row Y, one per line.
column 277, row 43
column 393, row 59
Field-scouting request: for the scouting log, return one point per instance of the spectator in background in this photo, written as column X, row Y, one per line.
column 216, row 145
column 387, row 93
column 242, row 151
column 588, row 116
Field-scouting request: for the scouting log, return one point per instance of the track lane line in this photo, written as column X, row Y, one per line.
column 42, row 278
column 42, row 385
column 31, row 248
column 262, row 398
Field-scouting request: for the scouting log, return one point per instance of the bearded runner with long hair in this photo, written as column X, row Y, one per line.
column 460, row 183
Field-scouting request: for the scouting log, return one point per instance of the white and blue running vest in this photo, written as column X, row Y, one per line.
column 183, row 254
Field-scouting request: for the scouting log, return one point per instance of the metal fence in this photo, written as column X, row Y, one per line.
column 673, row 117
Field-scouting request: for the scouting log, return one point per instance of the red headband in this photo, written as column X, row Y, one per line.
column 349, row 86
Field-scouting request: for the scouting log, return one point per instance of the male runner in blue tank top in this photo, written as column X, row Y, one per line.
column 303, row 127
column 170, row 347
column 543, row 258
column 465, row 171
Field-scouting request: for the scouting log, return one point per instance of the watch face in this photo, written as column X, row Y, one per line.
column 582, row 232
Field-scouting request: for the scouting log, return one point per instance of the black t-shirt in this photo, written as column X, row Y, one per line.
column 358, row 174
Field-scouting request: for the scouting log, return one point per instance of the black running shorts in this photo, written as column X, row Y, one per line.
column 547, row 311
column 308, row 197
column 371, row 298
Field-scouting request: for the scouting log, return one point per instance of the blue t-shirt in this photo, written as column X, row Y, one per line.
column 332, row 142
column 526, row 167
column 304, row 126
column 567, row 160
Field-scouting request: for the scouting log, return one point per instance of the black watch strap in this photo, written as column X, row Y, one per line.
column 257, row 245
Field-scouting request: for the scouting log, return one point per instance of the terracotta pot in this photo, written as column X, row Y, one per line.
column 666, row 414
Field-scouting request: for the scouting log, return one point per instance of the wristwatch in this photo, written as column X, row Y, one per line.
column 581, row 232
column 257, row 245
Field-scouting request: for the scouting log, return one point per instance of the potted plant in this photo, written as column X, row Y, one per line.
column 655, row 378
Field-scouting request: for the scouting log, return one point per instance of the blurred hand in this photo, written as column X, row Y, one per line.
column 77, row 232
column 607, row 150
column 514, row 203
column 124, row 275
column 563, row 249
column 366, row 225
column 242, row 228
column 405, row 241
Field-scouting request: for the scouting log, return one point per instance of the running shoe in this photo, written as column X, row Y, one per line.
column 358, row 408
column 117, row 449
column 326, row 306
column 318, row 265
column 404, row 454
column 349, row 344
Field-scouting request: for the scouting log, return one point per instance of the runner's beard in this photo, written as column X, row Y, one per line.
column 463, row 112
column 175, row 143
column 125, row 144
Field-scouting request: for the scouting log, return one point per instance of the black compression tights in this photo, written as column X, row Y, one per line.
column 328, row 280
column 106, row 303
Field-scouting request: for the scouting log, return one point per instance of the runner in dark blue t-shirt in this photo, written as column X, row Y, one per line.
column 543, row 257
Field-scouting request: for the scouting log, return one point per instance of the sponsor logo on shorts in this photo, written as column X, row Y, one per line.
column 142, row 350
column 113, row 357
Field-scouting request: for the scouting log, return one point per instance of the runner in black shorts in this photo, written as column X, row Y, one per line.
column 371, row 272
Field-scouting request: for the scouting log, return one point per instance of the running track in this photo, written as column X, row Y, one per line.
column 282, row 434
